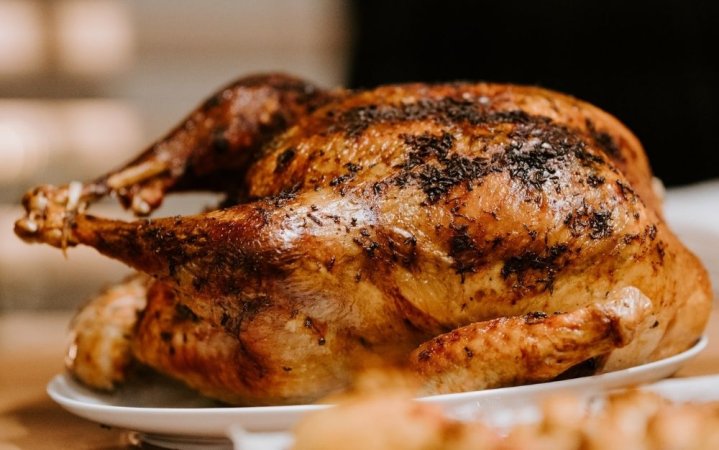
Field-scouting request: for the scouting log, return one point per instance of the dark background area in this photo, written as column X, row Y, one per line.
column 652, row 65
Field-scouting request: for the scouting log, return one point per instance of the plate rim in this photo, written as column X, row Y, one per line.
column 678, row 358
column 87, row 410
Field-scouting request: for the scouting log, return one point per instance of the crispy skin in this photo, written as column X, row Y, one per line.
column 210, row 150
column 387, row 217
column 99, row 354
column 528, row 349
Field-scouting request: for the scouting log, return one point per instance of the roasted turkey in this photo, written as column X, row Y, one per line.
column 476, row 235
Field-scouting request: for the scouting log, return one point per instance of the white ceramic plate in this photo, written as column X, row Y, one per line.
column 694, row 389
column 164, row 411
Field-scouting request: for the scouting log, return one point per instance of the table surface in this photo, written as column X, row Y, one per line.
column 31, row 352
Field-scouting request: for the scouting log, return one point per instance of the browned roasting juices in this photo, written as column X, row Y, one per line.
column 479, row 235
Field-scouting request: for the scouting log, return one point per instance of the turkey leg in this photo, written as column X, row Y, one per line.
column 183, row 249
column 216, row 253
column 211, row 150
column 534, row 348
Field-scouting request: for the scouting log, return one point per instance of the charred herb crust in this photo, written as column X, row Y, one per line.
column 463, row 251
column 605, row 142
column 598, row 224
column 536, row 152
column 284, row 159
column 542, row 267
column 354, row 121
column 352, row 170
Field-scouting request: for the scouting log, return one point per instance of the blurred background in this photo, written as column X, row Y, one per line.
column 86, row 84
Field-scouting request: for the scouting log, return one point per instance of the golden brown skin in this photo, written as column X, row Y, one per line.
column 528, row 349
column 99, row 354
column 379, row 219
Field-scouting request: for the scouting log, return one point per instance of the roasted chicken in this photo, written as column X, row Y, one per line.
column 477, row 235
